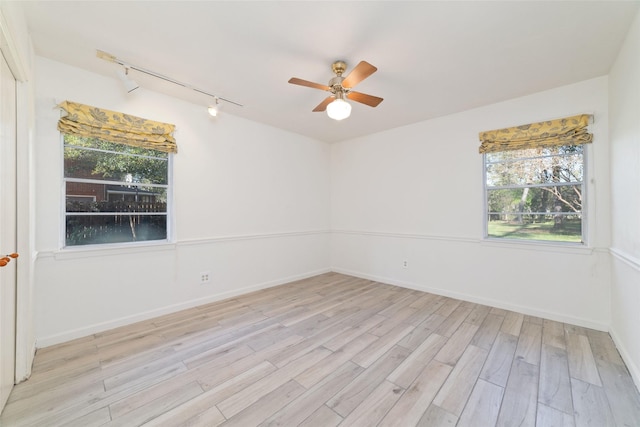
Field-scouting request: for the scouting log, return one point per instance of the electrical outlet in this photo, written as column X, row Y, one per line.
column 205, row 277
column 405, row 264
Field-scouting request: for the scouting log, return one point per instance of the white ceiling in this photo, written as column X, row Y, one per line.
column 433, row 58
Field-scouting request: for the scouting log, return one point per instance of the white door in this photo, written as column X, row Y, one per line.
column 7, row 230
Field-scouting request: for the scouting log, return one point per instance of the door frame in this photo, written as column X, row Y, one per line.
column 8, row 230
column 16, row 48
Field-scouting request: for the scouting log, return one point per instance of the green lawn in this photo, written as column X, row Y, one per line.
column 570, row 231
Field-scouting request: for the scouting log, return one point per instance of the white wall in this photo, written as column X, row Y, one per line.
column 624, row 109
column 415, row 193
column 251, row 207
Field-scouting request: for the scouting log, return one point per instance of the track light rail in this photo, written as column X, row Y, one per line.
column 108, row 57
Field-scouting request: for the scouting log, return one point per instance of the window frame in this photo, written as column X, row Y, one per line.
column 169, row 214
column 583, row 212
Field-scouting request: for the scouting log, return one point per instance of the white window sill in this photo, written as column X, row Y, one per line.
column 89, row 251
column 543, row 246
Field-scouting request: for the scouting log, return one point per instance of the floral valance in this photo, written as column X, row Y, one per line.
column 112, row 126
column 567, row 131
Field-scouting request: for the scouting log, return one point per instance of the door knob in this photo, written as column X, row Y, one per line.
column 5, row 259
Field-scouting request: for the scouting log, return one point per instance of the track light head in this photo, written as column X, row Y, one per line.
column 215, row 108
column 129, row 84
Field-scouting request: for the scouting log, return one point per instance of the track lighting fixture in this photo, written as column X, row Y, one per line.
column 132, row 85
column 215, row 108
column 129, row 84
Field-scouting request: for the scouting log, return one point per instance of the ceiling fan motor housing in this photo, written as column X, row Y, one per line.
column 335, row 83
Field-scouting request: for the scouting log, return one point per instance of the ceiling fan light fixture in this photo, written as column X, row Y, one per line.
column 339, row 109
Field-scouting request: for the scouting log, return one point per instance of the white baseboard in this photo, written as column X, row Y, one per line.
column 634, row 369
column 531, row 311
column 127, row 320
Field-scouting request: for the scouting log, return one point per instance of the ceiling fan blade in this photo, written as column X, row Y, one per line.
column 363, row 98
column 358, row 74
column 297, row 81
column 323, row 105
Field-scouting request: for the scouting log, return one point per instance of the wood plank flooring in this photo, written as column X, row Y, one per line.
column 332, row 350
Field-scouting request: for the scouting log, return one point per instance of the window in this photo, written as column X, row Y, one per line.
column 534, row 180
column 114, row 193
column 535, row 193
column 117, row 176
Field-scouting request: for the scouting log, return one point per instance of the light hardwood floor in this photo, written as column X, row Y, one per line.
column 332, row 350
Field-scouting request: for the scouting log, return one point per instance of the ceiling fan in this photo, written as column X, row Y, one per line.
column 341, row 88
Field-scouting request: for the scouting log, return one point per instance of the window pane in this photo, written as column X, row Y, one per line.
column 502, row 156
column 100, row 229
column 537, row 200
column 540, row 170
column 90, row 197
column 541, row 213
column 569, row 231
column 98, row 144
column 81, row 163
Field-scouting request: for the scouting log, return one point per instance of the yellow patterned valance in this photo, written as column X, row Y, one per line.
column 92, row 122
column 567, row 131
